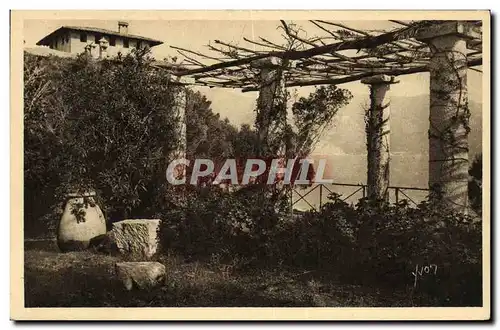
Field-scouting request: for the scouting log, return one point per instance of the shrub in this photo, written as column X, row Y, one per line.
column 107, row 126
column 214, row 221
column 372, row 242
column 476, row 184
column 96, row 125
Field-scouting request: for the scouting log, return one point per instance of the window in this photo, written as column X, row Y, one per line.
column 112, row 41
column 97, row 38
column 83, row 37
column 125, row 43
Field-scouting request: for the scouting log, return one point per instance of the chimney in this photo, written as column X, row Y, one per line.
column 122, row 27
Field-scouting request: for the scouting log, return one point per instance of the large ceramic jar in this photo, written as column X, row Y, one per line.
column 82, row 220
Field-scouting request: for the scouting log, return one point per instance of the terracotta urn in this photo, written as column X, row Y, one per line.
column 81, row 221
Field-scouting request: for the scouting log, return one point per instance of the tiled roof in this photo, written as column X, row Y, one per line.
column 46, row 51
column 46, row 39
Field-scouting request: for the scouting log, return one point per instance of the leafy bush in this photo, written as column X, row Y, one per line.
column 476, row 184
column 382, row 244
column 95, row 125
column 371, row 243
column 214, row 221
column 108, row 126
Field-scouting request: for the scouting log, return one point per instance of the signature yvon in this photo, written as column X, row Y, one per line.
column 420, row 271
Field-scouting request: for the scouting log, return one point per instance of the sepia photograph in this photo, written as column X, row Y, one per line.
column 302, row 163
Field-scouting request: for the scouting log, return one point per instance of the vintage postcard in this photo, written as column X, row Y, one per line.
column 264, row 165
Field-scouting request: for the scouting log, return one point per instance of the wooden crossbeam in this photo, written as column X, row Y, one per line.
column 317, row 62
column 326, row 30
column 169, row 66
column 340, row 38
column 386, row 58
column 253, row 42
column 351, row 78
column 190, row 59
column 399, row 22
column 273, row 44
column 222, row 77
column 200, row 54
column 223, row 72
column 361, row 43
column 399, row 72
column 237, row 47
column 226, row 53
column 366, row 34
column 311, row 43
column 344, row 27
column 212, row 84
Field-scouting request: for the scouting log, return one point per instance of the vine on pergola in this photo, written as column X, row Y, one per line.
column 319, row 54
column 335, row 54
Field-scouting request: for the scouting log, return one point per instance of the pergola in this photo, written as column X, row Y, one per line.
column 341, row 54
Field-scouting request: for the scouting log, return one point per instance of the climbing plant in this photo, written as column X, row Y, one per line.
column 449, row 121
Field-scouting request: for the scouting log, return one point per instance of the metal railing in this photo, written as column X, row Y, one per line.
column 351, row 192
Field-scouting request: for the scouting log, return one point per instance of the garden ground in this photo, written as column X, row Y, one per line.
column 86, row 279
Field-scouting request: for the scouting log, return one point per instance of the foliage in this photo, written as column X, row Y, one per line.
column 216, row 221
column 476, row 184
column 275, row 137
column 372, row 243
column 313, row 114
column 377, row 243
column 100, row 125
column 245, row 142
column 208, row 135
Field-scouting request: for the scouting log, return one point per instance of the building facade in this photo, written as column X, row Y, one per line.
column 98, row 42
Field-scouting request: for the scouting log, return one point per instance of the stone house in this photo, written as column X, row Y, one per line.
column 99, row 42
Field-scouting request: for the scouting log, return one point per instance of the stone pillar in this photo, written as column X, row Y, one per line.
column 103, row 48
column 449, row 111
column 378, row 136
column 271, row 105
column 179, row 109
column 91, row 50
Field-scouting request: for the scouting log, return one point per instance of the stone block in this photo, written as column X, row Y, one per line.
column 140, row 275
column 137, row 238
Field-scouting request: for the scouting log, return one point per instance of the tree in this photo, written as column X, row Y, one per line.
column 43, row 121
column 208, row 136
column 97, row 125
column 313, row 114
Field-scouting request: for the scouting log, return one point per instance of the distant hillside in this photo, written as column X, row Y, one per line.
column 345, row 149
column 410, row 122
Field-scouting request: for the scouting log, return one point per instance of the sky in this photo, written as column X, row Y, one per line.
column 196, row 34
column 239, row 107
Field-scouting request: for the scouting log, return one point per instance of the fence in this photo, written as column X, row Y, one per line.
column 315, row 196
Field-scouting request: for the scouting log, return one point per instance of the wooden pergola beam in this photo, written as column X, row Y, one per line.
column 311, row 43
column 351, row 78
column 366, row 34
column 361, row 43
column 238, row 47
column 199, row 54
column 253, row 42
column 399, row 22
column 324, row 29
column 320, row 64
